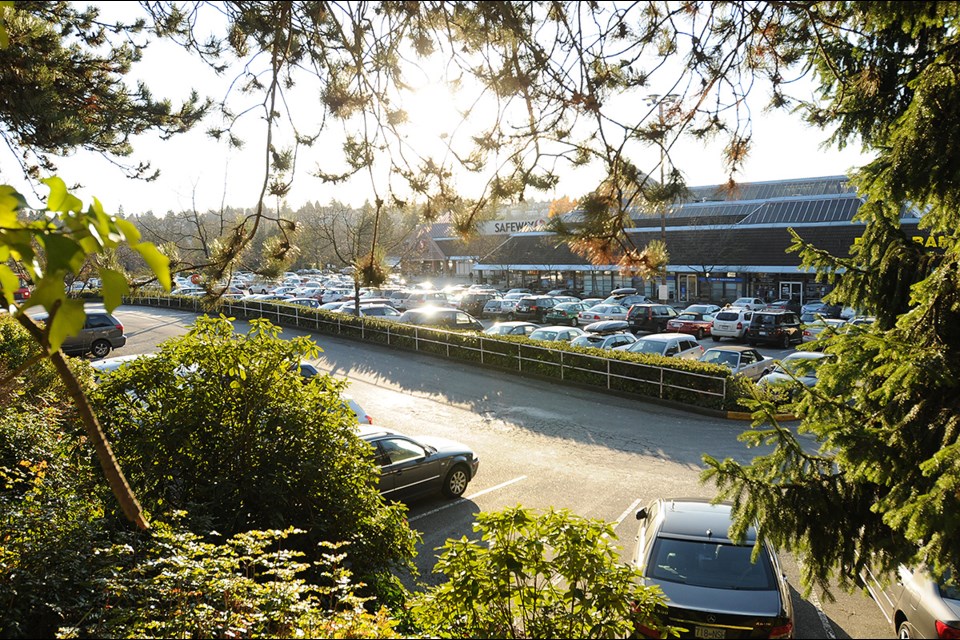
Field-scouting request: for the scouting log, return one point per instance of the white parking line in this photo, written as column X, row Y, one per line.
column 631, row 509
column 815, row 601
column 470, row 497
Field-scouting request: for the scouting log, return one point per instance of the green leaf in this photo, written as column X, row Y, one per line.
column 9, row 282
column 68, row 321
column 114, row 287
column 60, row 199
column 129, row 231
column 159, row 263
column 63, row 253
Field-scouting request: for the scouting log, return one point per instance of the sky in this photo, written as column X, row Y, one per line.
column 197, row 172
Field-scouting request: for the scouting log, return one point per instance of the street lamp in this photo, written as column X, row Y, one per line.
column 668, row 100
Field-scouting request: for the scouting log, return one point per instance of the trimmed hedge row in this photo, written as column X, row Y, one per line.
column 686, row 382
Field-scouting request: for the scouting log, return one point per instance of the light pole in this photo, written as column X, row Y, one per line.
column 661, row 101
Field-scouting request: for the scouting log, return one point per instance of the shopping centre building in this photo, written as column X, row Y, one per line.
column 722, row 244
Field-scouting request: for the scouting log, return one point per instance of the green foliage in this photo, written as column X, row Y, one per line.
column 63, row 78
column 222, row 425
column 174, row 585
column 57, row 244
column 881, row 487
column 552, row 575
column 51, row 520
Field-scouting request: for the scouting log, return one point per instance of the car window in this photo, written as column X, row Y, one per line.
column 707, row 564
column 672, row 350
column 399, row 450
column 98, row 321
column 687, row 344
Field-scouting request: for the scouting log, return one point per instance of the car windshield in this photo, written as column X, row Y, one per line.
column 588, row 341
column 708, row 564
column 716, row 356
column 543, row 335
column 648, row 346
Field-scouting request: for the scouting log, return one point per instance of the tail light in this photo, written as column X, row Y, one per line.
column 739, row 326
column 807, row 334
column 782, row 631
column 945, row 630
column 119, row 326
column 369, row 419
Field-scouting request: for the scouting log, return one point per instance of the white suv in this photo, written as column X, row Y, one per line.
column 731, row 322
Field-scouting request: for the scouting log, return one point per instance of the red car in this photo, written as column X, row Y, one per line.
column 696, row 324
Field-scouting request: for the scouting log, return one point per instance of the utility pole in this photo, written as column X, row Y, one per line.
column 661, row 101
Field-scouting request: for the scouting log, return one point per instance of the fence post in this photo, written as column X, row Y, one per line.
column 519, row 358
column 608, row 374
column 561, row 365
column 661, row 382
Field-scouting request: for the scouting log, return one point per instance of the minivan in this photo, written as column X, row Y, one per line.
column 650, row 317
column 101, row 333
column 781, row 328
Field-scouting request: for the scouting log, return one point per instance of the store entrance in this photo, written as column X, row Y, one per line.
column 791, row 291
column 688, row 287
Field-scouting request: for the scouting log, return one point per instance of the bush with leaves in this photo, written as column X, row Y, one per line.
column 173, row 584
column 552, row 575
column 222, row 425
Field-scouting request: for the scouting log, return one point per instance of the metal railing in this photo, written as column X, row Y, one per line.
column 612, row 374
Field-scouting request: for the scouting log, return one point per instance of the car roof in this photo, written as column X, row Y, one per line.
column 367, row 432
column 731, row 347
column 806, row 355
column 697, row 518
column 666, row 336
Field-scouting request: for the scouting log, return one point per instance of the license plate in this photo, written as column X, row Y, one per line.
column 763, row 333
column 709, row 632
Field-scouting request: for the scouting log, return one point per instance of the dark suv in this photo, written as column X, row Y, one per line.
column 652, row 318
column 780, row 327
column 473, row 303
column 534, row 308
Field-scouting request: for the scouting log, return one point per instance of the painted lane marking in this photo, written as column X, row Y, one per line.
column 470, row 497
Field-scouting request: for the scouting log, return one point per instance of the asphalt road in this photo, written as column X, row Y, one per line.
column 540, row 445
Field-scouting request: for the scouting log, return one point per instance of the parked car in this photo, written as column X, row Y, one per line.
column 412, row 466
column 420, row 298
column 565, row 313
column 313, row 303
column 569, row 293
column 792, row 304
column 511, row 328
column 473, row 301
column 731, row 322
column 604, row 340
column 534, row 308
column 520, row 290
column 650, row 317
column 713, row 587
column 670, row 345
column 442, row 317
column 371, row 310
column 801, row 365
column 603, row 311
column 590, row 302
column 556, row 334
column 777, row 327
column 917, row 605
column 109, row 365
column 702, row 308
column 627, row 299
column 502, row 308
column 812, row 330
column 607, row 326
column 696, row 324
column 746, row 361
column 748, row 303
column 101, row 333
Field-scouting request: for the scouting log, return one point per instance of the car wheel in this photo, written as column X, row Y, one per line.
column 715, row 338
column 510, row 317
column 574, row 322
column 456, row 482
column 100, row 349
column 786, row 341
column 699, row 334
column 906, row 630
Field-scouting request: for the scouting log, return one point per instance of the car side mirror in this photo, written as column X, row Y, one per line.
column 642, row 514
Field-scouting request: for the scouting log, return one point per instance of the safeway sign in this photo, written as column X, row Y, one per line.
column 507, row 227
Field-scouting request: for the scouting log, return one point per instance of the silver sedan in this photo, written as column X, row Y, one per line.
column 746, row 361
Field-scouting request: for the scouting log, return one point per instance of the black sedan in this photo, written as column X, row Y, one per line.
column 713, row 589
column 411, row 467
